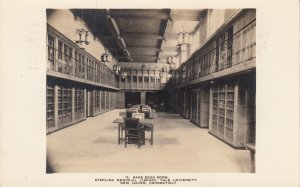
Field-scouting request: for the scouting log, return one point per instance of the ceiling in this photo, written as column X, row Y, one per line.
column 139, row 35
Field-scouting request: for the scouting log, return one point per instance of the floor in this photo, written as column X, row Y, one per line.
column 179, row 146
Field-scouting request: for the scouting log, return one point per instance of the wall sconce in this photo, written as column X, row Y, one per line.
column 183, row 38
column 170, row 59
column 172, row 66
column 123, row 74
column 165, row 69
column 116, row 69
column 82, row 37
column 161, row 74
column 104, row 56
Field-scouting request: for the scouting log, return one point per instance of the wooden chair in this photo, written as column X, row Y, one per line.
column 133, row 132
column 130, row 111
column 147, row 112
column 138, row 115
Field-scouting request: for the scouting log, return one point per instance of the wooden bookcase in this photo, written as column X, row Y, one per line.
column 50, row 107
column 78, row 104
column 231, row 114
column 64, row 106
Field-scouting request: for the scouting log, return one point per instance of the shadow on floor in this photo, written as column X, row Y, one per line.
column 49, row 168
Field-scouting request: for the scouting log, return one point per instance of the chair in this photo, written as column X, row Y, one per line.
column 147, row 112
column 133, row 109
column 138, row 115
column 130, row 111
column 129, row 114
column 133, row 132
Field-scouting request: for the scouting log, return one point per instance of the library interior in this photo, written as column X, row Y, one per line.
column 150, row 90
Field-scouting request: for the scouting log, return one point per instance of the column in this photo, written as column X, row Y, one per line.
column 143, row 97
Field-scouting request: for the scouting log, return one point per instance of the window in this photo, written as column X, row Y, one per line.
column 152, row 79
column 129, row 78
column 50, row 48
column 134, row 78
column 146, row 79
column 140, row 79
column 70, row 54
column 66, row 50
column 60, row 48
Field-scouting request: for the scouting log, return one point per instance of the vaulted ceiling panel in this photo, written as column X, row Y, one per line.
column 134, row 42
column 139, row 26
column 143, row 51
column 139, row 35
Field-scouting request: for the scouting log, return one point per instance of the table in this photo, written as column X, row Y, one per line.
column 145, row 122
column 251, row 147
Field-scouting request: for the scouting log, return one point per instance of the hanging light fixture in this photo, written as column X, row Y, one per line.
column 104, row 56
column 123, row 74
column 116, row 69
column 170, row 57
column 161, row 74
column 172, row 66
column 183, row 37
column 82, row 35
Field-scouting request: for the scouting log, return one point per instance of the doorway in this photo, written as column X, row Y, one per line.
column 132, row 98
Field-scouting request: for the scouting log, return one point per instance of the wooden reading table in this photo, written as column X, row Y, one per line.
column 146, row 123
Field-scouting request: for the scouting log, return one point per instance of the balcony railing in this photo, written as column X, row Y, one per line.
column 238, row 48
column 70, row 66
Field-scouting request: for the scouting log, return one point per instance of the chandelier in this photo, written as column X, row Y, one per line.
column 82, row 37
column 183, row 37
column 104, row 56
column 116, row 69
column 123, row 74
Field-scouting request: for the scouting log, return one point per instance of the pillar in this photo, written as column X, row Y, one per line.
column 143, row 97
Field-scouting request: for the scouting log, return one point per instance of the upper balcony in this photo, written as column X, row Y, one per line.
column 67, row 61
column 231, row 50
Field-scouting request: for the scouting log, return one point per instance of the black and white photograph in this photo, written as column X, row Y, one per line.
column 123, row 93
column 151, row 90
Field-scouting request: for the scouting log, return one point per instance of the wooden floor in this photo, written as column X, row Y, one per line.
column 179, row 146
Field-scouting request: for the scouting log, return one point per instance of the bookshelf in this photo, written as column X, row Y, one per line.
column 222, row 118
column 50, row 107
column 102, row 96
column 233, row 112
column 79, row 104
column 97, row 101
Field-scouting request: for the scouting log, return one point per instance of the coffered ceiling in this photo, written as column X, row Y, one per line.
column 139, row 35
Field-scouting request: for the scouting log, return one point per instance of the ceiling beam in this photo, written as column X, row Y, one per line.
column 176, row 48
column 112, row 24
column 167, row 29
column 139, row 15
column 143, row 56
column 143, row 48
column 143, row 36
column 186, row 15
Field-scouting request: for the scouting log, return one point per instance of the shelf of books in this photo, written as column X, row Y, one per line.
column 106, row 100
column 230, row 113
column 120, row 99
column 102, row 96
column 64, row 106
column 50, row 107
column 222, row 111
column 79, row 104
column 97, row 109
